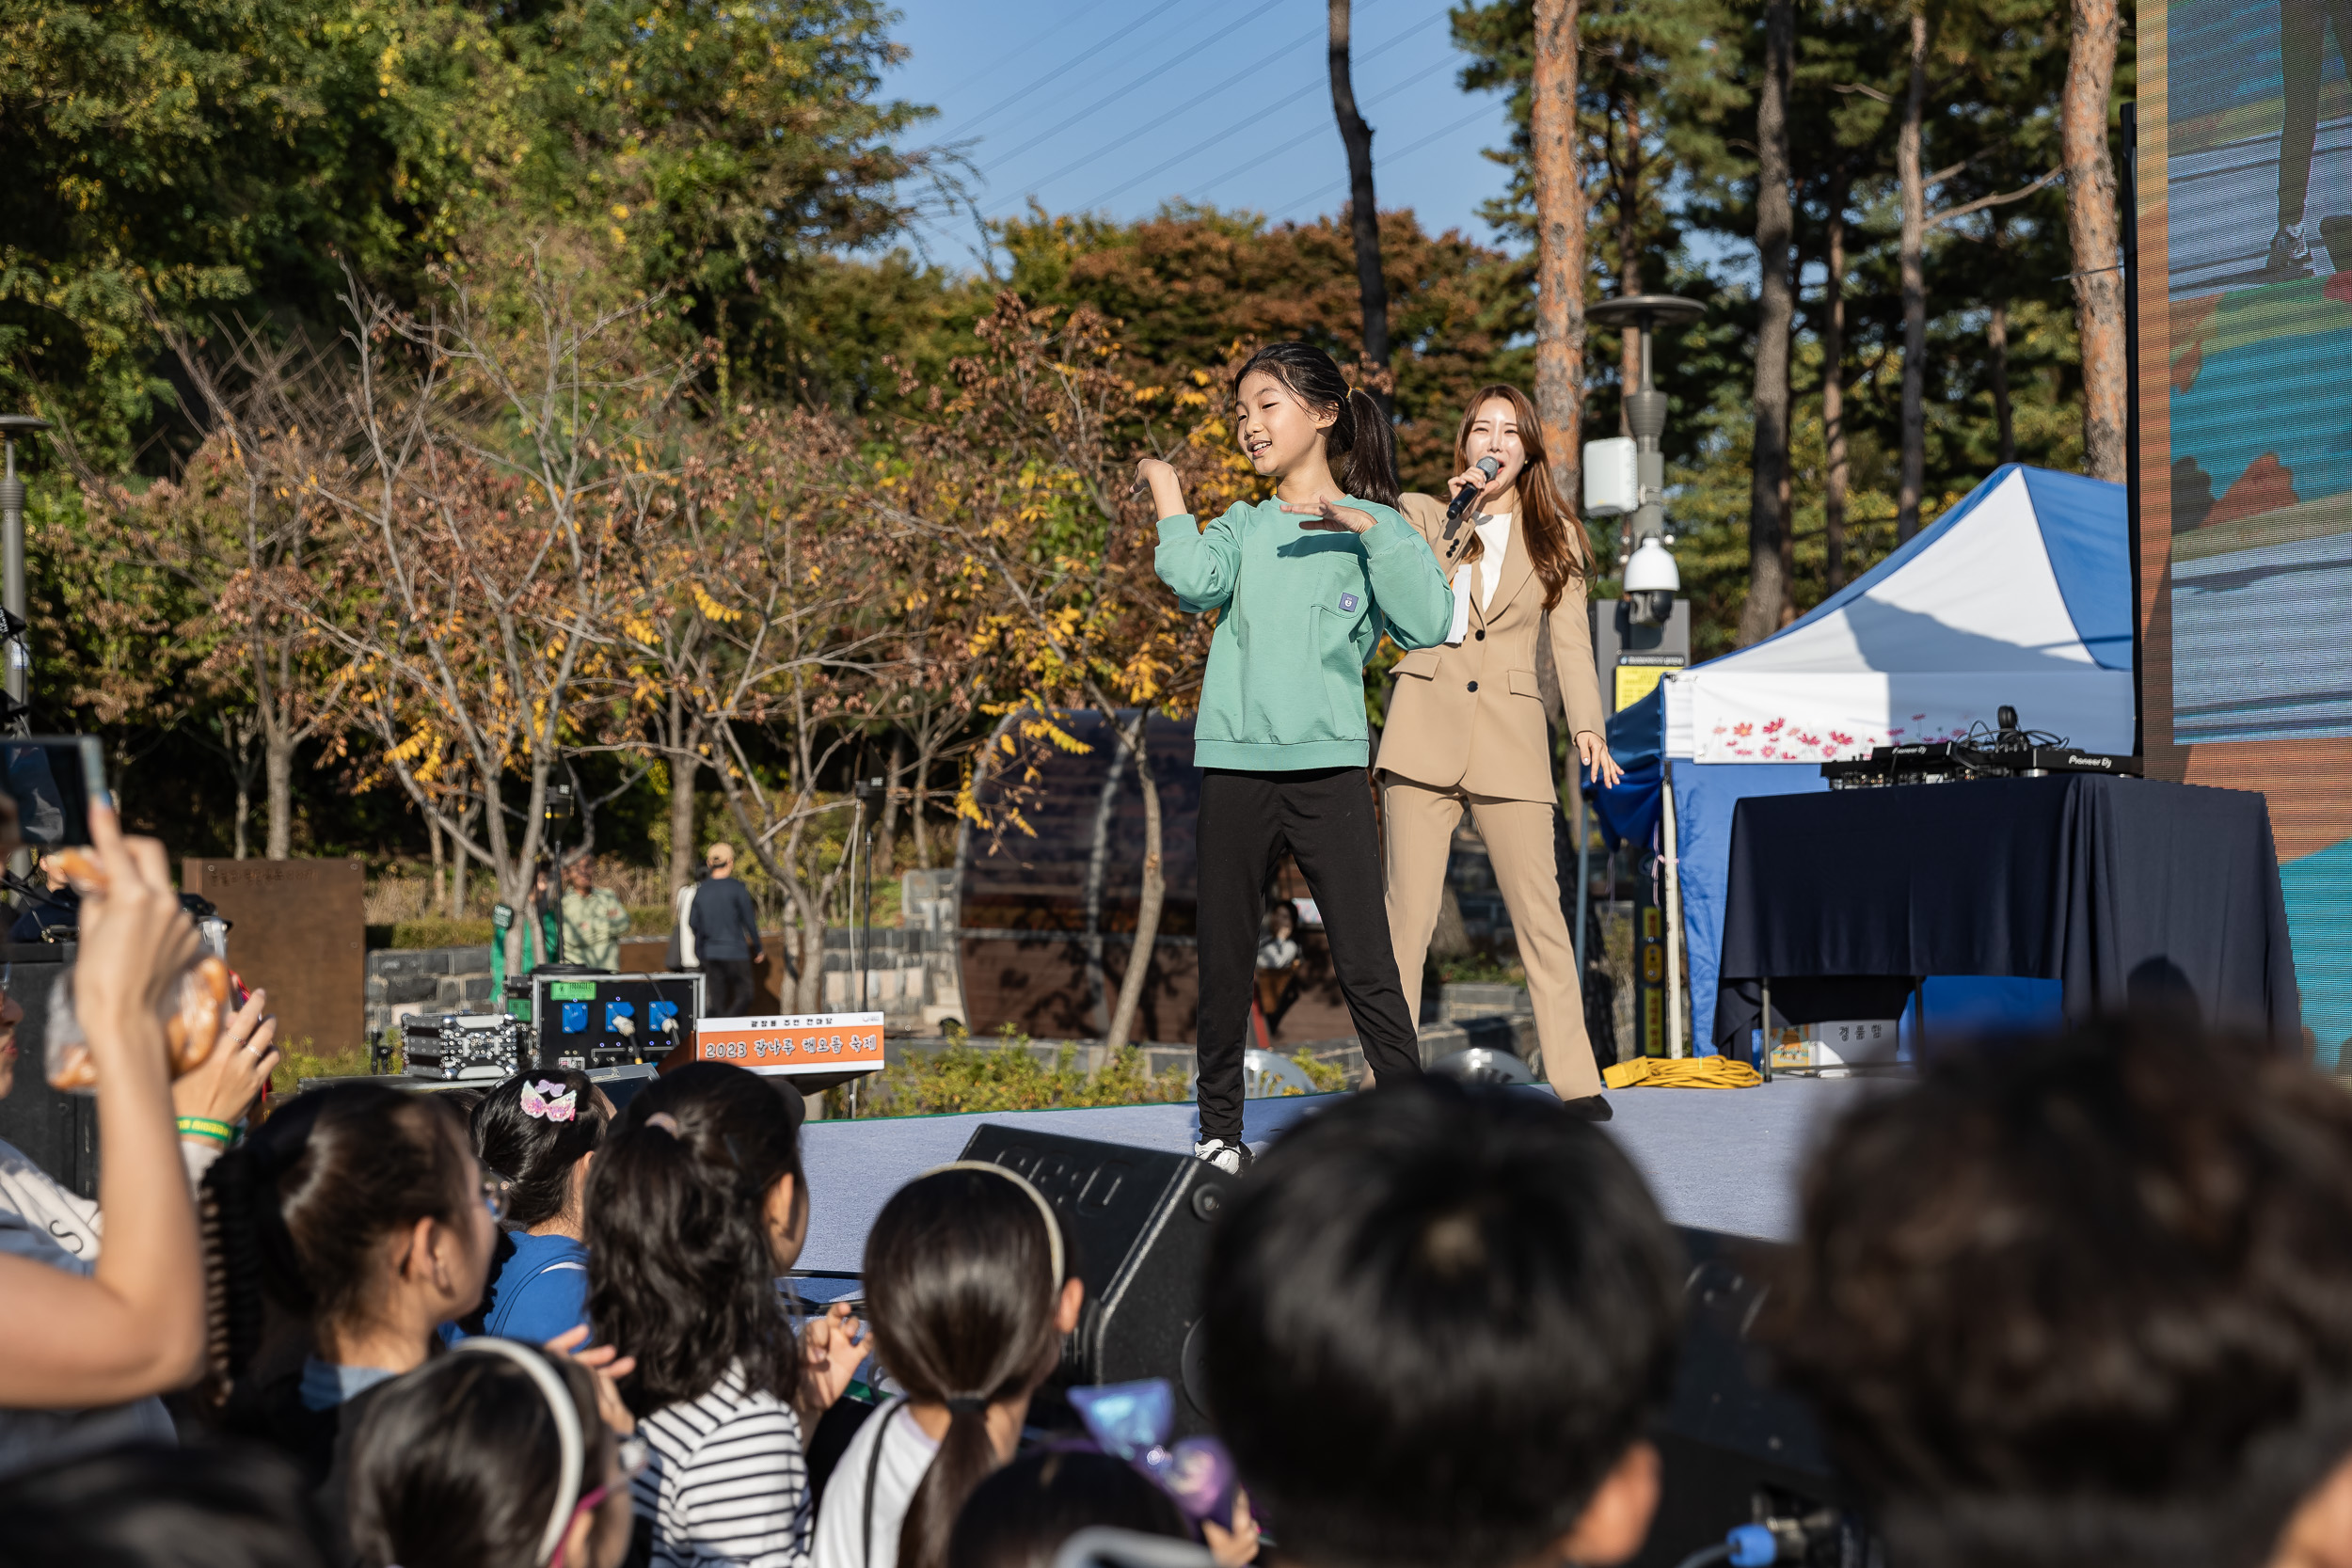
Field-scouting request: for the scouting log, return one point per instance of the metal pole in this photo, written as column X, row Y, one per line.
column 1674, row 920
column 13, row 568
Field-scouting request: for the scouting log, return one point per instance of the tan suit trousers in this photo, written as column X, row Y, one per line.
column 1419, row 821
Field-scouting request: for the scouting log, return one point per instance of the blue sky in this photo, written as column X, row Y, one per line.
column 1077, row 102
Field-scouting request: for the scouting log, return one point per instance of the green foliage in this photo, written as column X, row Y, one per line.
column 1009, row 1076
column 298, row 1061
column 1327, row 1077
column 1478, row 969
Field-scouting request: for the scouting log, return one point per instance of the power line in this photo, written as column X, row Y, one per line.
column 1394, row 158
column 1075, row 61
column 1319, row 129
column 1130, row 88
column 1024, row 47
column 1277, row 107
column 1182, row 109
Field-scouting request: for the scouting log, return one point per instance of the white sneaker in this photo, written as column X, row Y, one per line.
column 1225, row 1154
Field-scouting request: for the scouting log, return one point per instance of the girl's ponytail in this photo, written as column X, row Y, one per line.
column 1370, row 468
column 228, row 1222
column 964, row 1274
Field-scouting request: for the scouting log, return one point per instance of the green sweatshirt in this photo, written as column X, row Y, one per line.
column 1302, row 612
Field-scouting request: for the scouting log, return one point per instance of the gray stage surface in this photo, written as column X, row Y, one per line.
column 1718, row 1159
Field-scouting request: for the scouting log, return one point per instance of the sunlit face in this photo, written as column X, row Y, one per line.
column 1277, row 432
column 1495, row 433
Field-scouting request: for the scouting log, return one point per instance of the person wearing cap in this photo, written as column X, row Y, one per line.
column 725, row 926
column 593, row 919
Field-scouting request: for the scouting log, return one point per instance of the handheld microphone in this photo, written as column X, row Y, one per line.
column 1466, row 499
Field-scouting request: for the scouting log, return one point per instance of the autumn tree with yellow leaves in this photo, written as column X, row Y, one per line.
column 1021, row 479
column 481, row 468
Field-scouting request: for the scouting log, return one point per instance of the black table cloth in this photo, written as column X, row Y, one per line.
column 2124, row 890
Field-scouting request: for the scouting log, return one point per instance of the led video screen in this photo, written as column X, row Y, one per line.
column 2243, row 299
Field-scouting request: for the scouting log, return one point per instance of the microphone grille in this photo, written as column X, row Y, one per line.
column 1488, row 467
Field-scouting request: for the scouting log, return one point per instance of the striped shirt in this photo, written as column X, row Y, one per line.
column 726, row 1483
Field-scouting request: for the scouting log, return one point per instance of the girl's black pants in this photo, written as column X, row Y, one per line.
column 1324, row 819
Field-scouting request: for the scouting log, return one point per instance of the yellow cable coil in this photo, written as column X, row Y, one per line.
column 1690, row 1072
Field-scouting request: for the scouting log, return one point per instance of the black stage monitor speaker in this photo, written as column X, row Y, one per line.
column 1138, row 1222
column 1736, row 1449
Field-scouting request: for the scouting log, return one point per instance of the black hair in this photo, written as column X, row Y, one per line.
column 1359, row 442
column 1019, row 1516
column 679, row 1266
column 535, row 1154
column 2082, row 1300
column 156, row 1506
column 458, row 1463
column 960, row 1280
column 297, row 1212
column 1375, row 1439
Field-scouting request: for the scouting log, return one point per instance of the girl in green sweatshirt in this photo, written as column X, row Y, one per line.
column 1304, row 586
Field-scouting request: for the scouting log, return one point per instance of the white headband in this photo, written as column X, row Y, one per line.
column 560, row 1405
column 1052, row 1221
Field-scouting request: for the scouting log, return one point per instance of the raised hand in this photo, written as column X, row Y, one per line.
column 831, row 1346
column 1168, row 491
column 224, row 1086
column 607, row 1365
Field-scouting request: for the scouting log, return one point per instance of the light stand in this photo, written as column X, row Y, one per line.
column 554, row 816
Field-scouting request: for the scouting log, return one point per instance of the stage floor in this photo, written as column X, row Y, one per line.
column 1718, row 1159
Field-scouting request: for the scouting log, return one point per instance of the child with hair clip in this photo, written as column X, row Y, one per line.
column 539, row 1130
column 494, row 1457
column 696, row 1204
column 972, row 1293
column 1305, row 584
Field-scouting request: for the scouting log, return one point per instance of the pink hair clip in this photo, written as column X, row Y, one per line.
column 541, row 1100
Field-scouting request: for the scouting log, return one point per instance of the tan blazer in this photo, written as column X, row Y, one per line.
column 1470, row 715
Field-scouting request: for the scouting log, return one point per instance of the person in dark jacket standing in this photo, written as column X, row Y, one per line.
column 726, row 936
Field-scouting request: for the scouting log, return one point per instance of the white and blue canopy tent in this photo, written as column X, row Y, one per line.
column 2019, row 595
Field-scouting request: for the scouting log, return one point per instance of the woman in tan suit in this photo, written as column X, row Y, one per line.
column 1466, row 725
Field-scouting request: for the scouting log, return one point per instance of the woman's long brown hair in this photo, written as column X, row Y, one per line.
column 1555, row 537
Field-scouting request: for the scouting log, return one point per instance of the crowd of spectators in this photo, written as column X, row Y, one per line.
column 2077, row 1302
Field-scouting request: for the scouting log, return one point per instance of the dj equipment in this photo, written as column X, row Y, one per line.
column 462, row 1046
column 1459, row 507
column 1138, row 1222
column 2004, row 752
column 590, row 1020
